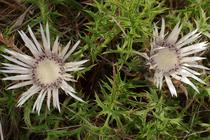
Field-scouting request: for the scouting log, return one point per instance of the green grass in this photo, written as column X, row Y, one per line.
column 122, row 102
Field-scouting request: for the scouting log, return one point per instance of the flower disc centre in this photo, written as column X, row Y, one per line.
column 166, row 60
column 48, row 71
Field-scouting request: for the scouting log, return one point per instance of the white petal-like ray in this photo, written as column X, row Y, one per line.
column 38, row 103
column 55, row 45
column 190, row 40
column 74, row 69
column 18, row 77
column 44, row 40
column 191, row 59
column 162, row 31
column 69, row 77
column 16, row 71
column 173, row 36
column 185, row 80
column 13, row 67
column 24, row 58
column 16, row 61
column 196, row 66
column 158, row 78
column 29, row 44
column 187, row 36
column 26, row 95
column 158, row 48
column 197, row 79
column 8, row 66
column 191, row 71
column 75, row 64
column 170, row 86
column 188, row 74
column 38, row 46
column 56, row 99
column 193, row 52
column 41, row 101
column 48, row 98
column 21, row 84
column 65, row 49
column 197, row 46
column 71, row 50
column 155, row 31
column 144, row 55
column 65, row 86
column 48, row 35
column 69, row 90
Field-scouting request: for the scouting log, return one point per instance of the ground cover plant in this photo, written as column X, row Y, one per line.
column 121, row 100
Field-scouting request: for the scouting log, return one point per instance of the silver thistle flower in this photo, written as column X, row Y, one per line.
column 173, row 58
column 46, row 70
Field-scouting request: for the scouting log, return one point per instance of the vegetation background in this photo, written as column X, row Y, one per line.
column 122, row 102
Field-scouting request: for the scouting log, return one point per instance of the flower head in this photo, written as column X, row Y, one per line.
column 46, row 70
column 171, row 57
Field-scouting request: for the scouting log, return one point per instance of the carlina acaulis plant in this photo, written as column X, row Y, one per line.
column 46, row 70
column 171, row 57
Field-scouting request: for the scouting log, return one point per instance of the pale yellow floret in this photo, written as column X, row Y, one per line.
column 166, row 59
column 48, row 71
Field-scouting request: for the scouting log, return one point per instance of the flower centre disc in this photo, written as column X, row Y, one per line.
column 48, row 71
column 166, row 59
